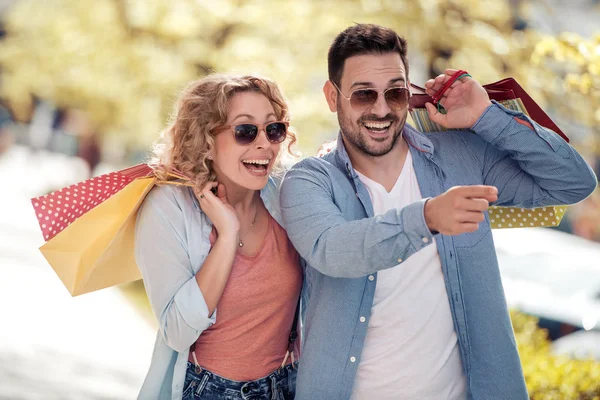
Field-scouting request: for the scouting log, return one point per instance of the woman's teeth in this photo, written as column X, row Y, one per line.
column 256, row 165
column 257, row 162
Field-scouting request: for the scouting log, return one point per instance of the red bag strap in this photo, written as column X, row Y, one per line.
column 505, row 89
column 438, row 95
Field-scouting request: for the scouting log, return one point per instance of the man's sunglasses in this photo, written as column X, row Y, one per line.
column 245, row 134
column 363, row 99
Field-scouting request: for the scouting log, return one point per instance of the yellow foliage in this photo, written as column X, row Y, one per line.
column 550, row 376
column 124, row 61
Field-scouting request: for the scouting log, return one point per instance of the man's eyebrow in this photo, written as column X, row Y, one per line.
column 396, row 80
column 370, row 84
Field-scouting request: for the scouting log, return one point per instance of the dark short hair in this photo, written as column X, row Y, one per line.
column 363, row 39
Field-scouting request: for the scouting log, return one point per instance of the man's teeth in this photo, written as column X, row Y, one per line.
column 377, row 125
column 258, row 162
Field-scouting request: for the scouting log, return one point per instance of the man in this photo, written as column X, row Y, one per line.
column 405, row 296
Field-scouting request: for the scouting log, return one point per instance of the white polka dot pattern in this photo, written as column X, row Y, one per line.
column 514, row 217
column 57, row 210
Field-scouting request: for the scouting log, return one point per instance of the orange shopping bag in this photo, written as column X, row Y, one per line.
column 89, row 228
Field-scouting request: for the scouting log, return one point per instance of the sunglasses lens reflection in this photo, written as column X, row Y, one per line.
column 362, row 99
column 397, row 99
column 276, row 132
column 245, row 133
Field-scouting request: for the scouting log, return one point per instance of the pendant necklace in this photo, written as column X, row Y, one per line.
column 241, row 242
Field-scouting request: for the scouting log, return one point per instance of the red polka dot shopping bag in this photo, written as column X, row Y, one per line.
column 89, row 227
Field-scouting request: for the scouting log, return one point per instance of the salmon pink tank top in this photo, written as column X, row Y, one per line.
column 255, row 313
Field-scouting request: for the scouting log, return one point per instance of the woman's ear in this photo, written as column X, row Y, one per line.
column 331, row 95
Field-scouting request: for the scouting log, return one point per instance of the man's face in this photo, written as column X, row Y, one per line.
column 375, row 130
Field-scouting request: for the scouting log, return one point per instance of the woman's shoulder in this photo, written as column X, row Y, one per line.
column 170, row 207
column 170, row 198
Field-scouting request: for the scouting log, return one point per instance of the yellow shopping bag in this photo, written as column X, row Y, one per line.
column 89, row 228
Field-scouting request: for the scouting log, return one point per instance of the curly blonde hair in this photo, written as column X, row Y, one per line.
column 184, row 145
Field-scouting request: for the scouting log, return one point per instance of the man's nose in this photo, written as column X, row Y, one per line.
column 380, row 108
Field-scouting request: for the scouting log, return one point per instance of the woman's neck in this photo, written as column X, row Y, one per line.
column 243, row 200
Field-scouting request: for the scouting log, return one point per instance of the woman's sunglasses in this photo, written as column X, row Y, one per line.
column 363, row 99
column 245, row 134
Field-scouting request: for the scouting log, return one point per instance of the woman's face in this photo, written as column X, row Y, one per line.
column 245, row 166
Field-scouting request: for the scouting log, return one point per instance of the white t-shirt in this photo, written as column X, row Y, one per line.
column 410, row 351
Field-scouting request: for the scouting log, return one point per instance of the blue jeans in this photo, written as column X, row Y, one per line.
column 203, row 384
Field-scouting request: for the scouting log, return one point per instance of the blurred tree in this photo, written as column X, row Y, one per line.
column 123, row 61
column 566, row 72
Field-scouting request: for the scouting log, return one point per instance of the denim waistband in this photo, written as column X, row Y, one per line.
column 202, row 383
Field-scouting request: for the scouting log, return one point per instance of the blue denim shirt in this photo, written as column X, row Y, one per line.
column 171, row 244
column 329, row 218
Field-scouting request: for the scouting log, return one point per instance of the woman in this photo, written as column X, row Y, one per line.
column 219, row 270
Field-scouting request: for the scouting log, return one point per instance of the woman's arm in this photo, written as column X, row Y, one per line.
column 176, row 295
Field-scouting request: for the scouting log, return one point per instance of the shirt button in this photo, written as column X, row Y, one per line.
column 425, row 240
column 352, row 359
column 371, row 278
column 400, row 260
column 362, row 319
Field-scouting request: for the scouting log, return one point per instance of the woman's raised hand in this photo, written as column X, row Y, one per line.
column 218, row 209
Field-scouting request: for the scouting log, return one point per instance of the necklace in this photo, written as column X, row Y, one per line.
column 241, row 242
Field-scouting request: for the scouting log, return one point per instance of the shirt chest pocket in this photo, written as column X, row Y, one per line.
column 468, row 240
column 482, row 235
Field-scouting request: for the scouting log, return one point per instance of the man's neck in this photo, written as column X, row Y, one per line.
column 385, row 169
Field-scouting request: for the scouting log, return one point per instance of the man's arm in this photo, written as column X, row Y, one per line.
column 530, row 165
column 338, row 247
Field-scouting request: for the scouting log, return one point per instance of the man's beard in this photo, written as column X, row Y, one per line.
column 359, row 141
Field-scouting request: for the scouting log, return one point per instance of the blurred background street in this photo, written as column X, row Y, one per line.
column 53, row 346
column 86, row 86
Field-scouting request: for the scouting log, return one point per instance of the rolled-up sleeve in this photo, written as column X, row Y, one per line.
column 161, row 252
column 530, row 165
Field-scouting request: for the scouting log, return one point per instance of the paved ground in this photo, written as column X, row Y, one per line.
column 54, row 346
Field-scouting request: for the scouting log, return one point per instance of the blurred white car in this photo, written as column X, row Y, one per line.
column 551, row 274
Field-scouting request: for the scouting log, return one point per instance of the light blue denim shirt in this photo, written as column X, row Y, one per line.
column 329, row 218
column 171, row 244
